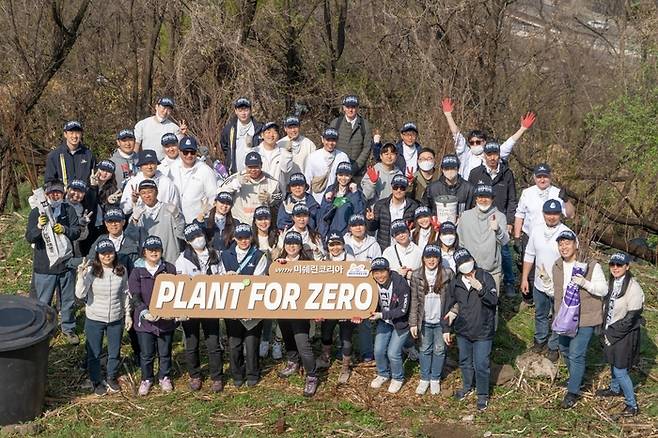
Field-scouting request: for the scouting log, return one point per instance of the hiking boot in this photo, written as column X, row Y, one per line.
column 570, row 400
column 378, row 382
column 166, row 385
column 422, row 387
column 510, row 290
column 113, row 386
column 217, row 385
column 345, row 371
column 290, row 369
column 100, row 389
column 607, row 392
column 538, row 347
column 144, row 387
column 311, row 386
column 629, row 411
column 195, row 383
column 264, row 349
column 395, row 386
column 553, row 355
column 277, row 351
column 72, row 338
column 435, row 387
column 238, row 383
column 482, row 403
column 461, row 394
column 324, row 360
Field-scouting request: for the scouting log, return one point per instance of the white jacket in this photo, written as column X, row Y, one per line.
column 302, row 148
column 367, row 250
column 193, row 184
column 106, row 298
column 246, row 200
column 318, row 165
column 278, row 164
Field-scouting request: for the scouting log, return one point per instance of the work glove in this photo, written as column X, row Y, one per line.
column 42, row 221
column 182, row 318
column 447, row 105
column 373, row 175
column 580, row 281
column 146, row 315
column 376, row 315
column 353, row 187
column 528, row 120
column 128, row 323
column 410, row 175
column 244, row 179
column 58, row 228
column 264, row 198
column 138, row 211
column 436, row 225
column 85, row 218
column 493, row 223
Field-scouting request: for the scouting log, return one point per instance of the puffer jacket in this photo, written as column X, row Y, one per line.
column 106, row 298
column 382, row 221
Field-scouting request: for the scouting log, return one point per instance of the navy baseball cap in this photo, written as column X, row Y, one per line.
column 114, row 215
column 166, row 101
column 253, row 159
column 542, row 170
column 291, row 121
column 619, row 258
column 399, row 226
column 188, row 144
column 422, row 211
column 224, row 198
column 169, row 138
column 269, row 125
column 192, row 231
column 53, row 186
column 330, row 134
column 492, row 148
column 147, row 156
column 79, row 185
column 242, row 102
column 483, row 190
column 125, row 133
column 447, row 227
column 380, row 264
column 300, row 209
column 153, row 242
column 107, row 165
column 566, row 235
column 552, row 206
column 351, row 100
column 297, row 179
column 450, row 161
column 409, row 126
column 242, row 231
column 262, row 212
column 147, row 184
column 432, row 250
column 292, row 238
column 73, row 125
column 400, row 180
column 461, row 256
column 104, row 246
column 344, row 168
column 335, row 236
column 357, row 219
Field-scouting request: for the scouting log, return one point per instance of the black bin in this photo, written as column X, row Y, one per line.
column 26, row 326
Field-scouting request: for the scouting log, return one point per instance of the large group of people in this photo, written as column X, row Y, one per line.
column 437, row 231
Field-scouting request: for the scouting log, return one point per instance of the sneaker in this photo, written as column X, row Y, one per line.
column 538, row 347
column 238, row 383
column 553, row 355
column 217, row 385
column 100, row 389
column 195, row 383
column 277, row 351
column 72, row 338
column 569, row 401
column 435, row 387
column 311, row 386
column 395, row 386
column 510, row 290
column 422, row 387
column 144, row 387
column 290, row 369
column 461, row 394
column 482, row 403
column 113, row 386
column 165, row 385
column 378, row 382
column 629, row 411
column 607, row 392
column 264, row 349
column 412, row 353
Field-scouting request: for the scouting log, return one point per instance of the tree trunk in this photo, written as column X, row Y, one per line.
column 146, row 92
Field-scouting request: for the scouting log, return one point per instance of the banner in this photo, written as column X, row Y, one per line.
column 295, row 290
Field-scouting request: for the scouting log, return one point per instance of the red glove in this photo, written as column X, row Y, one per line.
column 447, row 105
column 410, row 174
column 435, row 223
column 528, row 120
column 372, row 174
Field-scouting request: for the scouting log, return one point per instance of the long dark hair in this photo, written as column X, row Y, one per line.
column 97, row 267
column 302, row 253
column 213, row 254
column 272, row 234
column 438, row 284
column 229, row 227
column 415, row 234
column 105, row 189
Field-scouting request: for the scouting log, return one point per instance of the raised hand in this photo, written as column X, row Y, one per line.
column 376, row 138
column 447, row 105
column 115, row 197
column 436, row 225
column 94, row 178
column 410, row 174
column 135, row 193
column 370, row 214
column 328, row 196
column 353, row 187
column 528, row 120
column 84, row 264
column 373, row 175
column 183, row 127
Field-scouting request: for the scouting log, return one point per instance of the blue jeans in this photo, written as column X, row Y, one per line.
column 365, row 340
column 574, row 352
column 543, row 306
column 45, row 285
column 151, row 344
column 621, row 381
column 94, row 331
column 508, row 265
column 474, row 363
column 388, row 350
column 432, row 351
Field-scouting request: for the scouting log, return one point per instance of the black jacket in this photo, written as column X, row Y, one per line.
column 131, row 247
column 78, row 165
column 463, row 190
column 398, row 309
column 503, row 186
column 477, row 309
column 69, row 219
column 227, row 142
column 382, row 221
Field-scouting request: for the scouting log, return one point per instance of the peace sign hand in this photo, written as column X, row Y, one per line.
column 370, row 214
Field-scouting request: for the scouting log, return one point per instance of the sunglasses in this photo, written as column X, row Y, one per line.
column 474, row 142
column 188, row 152
column 616, row 265
column 399, row 188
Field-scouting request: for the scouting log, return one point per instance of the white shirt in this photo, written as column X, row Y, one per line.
column 302, row 148
column 366, row 250
column 531, row 204
column 317, row 165
column 243, row 142
column 167, row 191
column 410, row 157
column 432, row 301
column 116, row 241
column 149, row 132
column 277, row 162
column 166, row 163
column 424, row 237
column 194, row 184
column 410, row 257
column 542, row 250
column 469, row 161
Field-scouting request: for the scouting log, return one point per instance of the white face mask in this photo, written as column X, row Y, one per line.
column 450, row 174
column 426, row 165
column 477, row 150
column 484, row 208
column 467, row 267
column 198, row 242
column 448, row 239
column 55, row 204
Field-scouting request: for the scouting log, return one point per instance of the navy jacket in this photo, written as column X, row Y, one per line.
column 284, row 219
column 140, row 285
column 129, row 253
column 78, row 166
column 331, row 218
column 227, row 142
column 69, row 219
column 398, row 309
column 382, row 221
column 230, row 260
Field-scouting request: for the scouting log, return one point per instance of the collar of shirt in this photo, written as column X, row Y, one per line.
column 352, row 122
column 117, row 241
column 493, row 172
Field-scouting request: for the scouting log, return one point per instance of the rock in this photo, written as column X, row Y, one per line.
column 501, row 374
column 487, row 434
column 26, row 429
column 536, row 365
column 468, row 418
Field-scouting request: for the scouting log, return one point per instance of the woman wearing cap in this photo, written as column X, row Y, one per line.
column 404, row 256
column 104, row 288
column 199, row 259
column 312, row 240
column 244, row 258
column 425, row 228
column 297, row 193
column 155, row 335
column 220, row 224
column 103, row 188
column 430, row 286
column 341, row 200
column 336, row 250
column 296, row 331
column 392, row 319
column 622, row 318
column 470, row 309
column 449, row 242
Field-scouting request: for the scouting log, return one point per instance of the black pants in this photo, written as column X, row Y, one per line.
column 297, row 342
column 191, row 328
column 243, row 367
column 150, row 344
column 531, row 276
column 346, row 328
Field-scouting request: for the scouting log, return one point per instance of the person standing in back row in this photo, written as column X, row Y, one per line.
column 239, row 136
column 149, row 131
column 354, row 134
column 71, row 159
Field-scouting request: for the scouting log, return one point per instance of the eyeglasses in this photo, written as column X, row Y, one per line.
column 399, row 188
column 188, row 152
column 475, row 142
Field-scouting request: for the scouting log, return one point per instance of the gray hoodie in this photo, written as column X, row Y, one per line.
column 475, row 234
column 126, row 167
column 373, row 192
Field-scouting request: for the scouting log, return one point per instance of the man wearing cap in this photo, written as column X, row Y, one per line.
column 407, row 149
column 147, row 162
column 300, row 146
column 46, row 279
column 296, row 194
column 404, row 256
column 482, row 230
column 195, row 181
column 496, row 173
column 396, row 206
column 171, row 157
column 322, row 164
column 592, row 288
column 239, row 136
column 450, row 189
column 354, row 134
column 425, row 175
column 251, row 188
column 376, row 184
column 149, row 131
column 127, row 243
column 125, row 157
column 71, row 159
column 159, row 219
column 529, row 209
column 470, row 154
column 277, row 161
column 541, row 251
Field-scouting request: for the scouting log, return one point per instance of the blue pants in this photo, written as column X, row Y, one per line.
column 45, row 285
column 388, row 350
column 366, row 341
column 474, row 362
column 543, row 306
column 508, row 265
column 621, row 381
column 149, row 344
column 432, row 351
column 574, row 352
column 94, row 331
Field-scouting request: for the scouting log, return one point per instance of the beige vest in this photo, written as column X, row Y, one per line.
column 591, row 307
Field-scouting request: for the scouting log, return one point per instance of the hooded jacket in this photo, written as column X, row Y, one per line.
column 398, row 309
column 503, row 186
column 484, row 244
column 462, row 190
